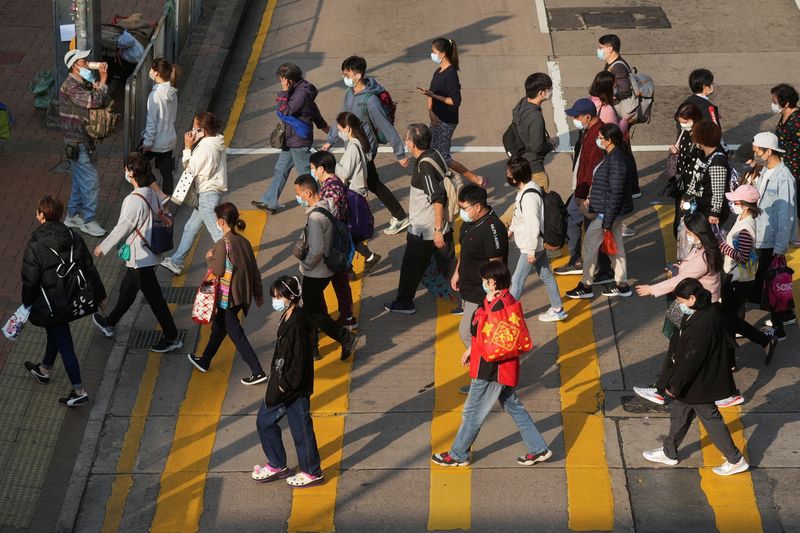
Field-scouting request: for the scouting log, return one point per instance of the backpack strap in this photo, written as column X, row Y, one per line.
column 435, row 164
column 326, row 213
column 136, row 228
column 541, row 195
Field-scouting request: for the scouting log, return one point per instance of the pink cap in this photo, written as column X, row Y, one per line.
column 743, row 193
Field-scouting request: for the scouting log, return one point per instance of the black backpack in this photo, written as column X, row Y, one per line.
column 72, row 297
column 554, row 226
column 512, row 142
column 340, row 254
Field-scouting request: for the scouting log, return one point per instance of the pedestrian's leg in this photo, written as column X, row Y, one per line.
column 190, row 230
column 375, row 185
column 363, row 249
column 269, row 432
column 279, row 176
column 546, row 275
column 128, row 289
column 155, row 298
column 480, row 399
column 620, row 264
column 533, row 440
column 313, row 298
column 208, row 201
column 165, row 162
column 63, row 339
column 75, row 204
column 710, row 417
column 680, row 420
column 89, row 183
column 344, row 295
column 50, row 350
column 591, row 246
column 218, row 334
column 520, row 275
column 574, row 231
column 236, row 332
column 298, row 413
column 466, row 321
column 416, row 258
column 300, row 160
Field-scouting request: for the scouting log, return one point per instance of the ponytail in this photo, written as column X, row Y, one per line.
column 351, row 120
column 166, row 70
column 448, row 48
column 228, row 212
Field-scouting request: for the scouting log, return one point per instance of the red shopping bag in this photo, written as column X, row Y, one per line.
column 609, row 245
column 502, row 335
column 205, row 301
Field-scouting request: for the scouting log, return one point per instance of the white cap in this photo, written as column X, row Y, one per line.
column 768, row 141
column 73, row 55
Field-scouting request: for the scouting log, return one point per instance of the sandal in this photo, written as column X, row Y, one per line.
column 269, row 473
column 304, row 480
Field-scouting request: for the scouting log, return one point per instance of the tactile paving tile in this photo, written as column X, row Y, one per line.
column 18, row 504
column 179, row 295
column 142, row 339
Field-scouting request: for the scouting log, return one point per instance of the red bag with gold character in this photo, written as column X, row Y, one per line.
column 503, row 334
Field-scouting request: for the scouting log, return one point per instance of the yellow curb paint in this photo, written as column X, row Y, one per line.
column 180, row 500
column 451, row 487
column 313, row 508
column 249, row 71
column 590, row 501
column 123, row 480
column 732, row 498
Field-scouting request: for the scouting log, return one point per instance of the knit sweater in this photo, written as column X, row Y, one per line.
column 246, row 280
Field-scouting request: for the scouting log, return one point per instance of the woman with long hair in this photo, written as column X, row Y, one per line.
column 159, row 136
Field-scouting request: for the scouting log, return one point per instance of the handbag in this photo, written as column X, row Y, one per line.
column 300, row 248
column 204, row 307
column 503, row 334
column 777, row 294
column 182, row 187
column 278, row 135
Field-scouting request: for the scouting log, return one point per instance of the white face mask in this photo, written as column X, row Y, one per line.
column 578, row 123
column 687, row 126
column 737, row 209
column 691, row 240
column 349, row 82
column 343, row 135
column 128, row 177
column 775, row 108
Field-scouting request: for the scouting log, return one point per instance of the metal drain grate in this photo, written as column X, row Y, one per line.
column 142, row 339
column 179, row 295
column 613, row 18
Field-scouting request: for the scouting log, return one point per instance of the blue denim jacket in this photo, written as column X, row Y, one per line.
column 777, row 224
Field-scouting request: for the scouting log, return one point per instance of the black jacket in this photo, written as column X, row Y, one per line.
column 697, row 369
column 707, row 109
column 292, row 367
column 611, row 188
column 530, row 126
column 39, row 265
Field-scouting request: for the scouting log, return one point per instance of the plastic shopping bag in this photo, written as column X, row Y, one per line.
column 14, row 325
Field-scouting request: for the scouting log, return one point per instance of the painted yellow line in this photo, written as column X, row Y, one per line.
column 180, row 500
column 123, row 481
column 733, row 498
column 451, row 488
column 313, row 508
column 249, row 71
column 590, row 501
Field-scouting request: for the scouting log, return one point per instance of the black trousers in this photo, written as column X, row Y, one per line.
column 226, row 323
column 376, row 186
column 144, row 279
column 316, row 310
column 165, row 163
column 417, row 257
column 680, row 420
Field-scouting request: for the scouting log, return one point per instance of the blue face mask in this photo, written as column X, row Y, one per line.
column 686, row 309
column 601, row 54
column 86, row 74
column 486, row 288
column 464, row 216
column 301, row 201
column 599, row 143
column 279, row 305
column 436, row 59
column 314, row 175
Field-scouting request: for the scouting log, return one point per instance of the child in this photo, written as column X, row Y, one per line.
column 289, row 388
column 492, row 382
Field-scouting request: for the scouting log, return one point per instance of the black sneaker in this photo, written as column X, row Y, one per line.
column 166, row 345
column 617, row 290
column 102, row 324
column 34, row 369
column 533, row 458
column 602, row 278
column 397, row 307
column 581, row 292
column 464, row 389
column 255, row 378
column 198, row 362
column 445, row 459
column 458, row 310
column 348, row 345
column 74, row 400
column 570, row 269
column 264, row 207
column 369, row 264
column 769, row 349
column 315, row 353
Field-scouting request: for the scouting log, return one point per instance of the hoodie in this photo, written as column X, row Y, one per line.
column 366, row 105
column 530, row 125
column 208, row 164
column 318, row 234
column 298, row 102
column 162, row 108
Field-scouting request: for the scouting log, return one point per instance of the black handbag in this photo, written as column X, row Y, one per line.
column 300, row 248
column 278, row 136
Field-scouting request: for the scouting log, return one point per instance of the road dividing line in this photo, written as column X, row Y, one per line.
column 733, row 498
column 313, row 508
column 450, row 492
column 541, row 13
column 180, row 500
column 564, row 148
column 123, row 480
column 590, row 501
column 559, row 107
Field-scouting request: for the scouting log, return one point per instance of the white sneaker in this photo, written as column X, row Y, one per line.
column 74, row 221
column 658, row 456
column 170, row 265
column 628, row 231
column 728, row 469
column 649, row 393
column 93, row 228
column 768, row 323
column 553, row 315
column 730, row 401
column 396, row 226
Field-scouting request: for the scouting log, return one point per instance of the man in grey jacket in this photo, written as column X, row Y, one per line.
column 316, row 274
column 363, row 98
column 527, row 115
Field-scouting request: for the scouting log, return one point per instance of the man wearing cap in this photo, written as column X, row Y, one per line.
column 78, row 94
column 777, row 225
column 586, row 157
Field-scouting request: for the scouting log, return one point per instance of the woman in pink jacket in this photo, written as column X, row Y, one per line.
column 703, row 263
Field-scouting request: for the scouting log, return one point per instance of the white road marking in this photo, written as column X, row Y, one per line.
column 541, row 12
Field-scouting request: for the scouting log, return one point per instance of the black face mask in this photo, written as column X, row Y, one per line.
column 511, row 182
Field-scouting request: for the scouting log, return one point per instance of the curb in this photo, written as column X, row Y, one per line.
column 209, row 75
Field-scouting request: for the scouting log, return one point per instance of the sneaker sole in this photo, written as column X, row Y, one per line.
column 450, row 464
column 618, row 294
column 581, row 296
column 65, row 404
column 569, row 273
column 539, row 459
column 174, row 271
column 544, row 318
column 194, row 363
column 648, row 398
column 401, row 311
column 737, row 402
column 256, row 382
column 318, row 481
column 102, row 329
column 656, row 461
column 732, row 472
column 167, row 349
column 275, row 477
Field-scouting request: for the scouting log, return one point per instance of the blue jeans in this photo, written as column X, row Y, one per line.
column 85, row 186
column 298, row 415
column 204, row 214
column 289, row 158
column 542, row 265
column 481, row 397
column 59, row 340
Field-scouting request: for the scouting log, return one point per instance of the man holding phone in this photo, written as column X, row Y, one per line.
column 79, row 93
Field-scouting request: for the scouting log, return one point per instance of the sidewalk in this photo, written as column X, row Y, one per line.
column 33, row 478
